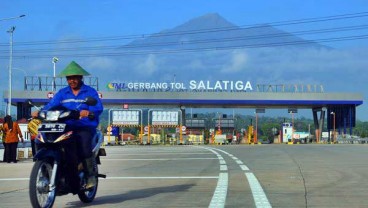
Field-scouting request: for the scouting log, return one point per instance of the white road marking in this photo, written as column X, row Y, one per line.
column 127, row 177
column 205, row 158
column 260, row 198
column 14, row 179
column 223, row 167
column 166, row 153
column 239, row 162
column 244, row 167
column 219, row 197
column 163, row 177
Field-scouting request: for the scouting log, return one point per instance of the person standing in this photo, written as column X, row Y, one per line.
column 33, row 131
column 2, row 133
column 12, row 136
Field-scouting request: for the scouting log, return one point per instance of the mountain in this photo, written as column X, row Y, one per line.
column 211, row 31
column 261, row 54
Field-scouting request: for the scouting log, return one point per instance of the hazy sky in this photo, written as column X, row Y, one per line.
column 48, row 23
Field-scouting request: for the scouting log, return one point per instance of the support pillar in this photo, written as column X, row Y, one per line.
column 318, row 122
column 23, row 110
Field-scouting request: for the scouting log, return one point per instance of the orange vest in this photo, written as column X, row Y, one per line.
column 11, row 135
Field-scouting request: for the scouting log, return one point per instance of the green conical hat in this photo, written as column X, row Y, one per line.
column 73, row 69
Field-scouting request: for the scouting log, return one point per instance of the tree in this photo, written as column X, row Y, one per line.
column 266, row 130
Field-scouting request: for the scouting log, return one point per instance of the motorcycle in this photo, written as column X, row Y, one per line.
column 49, row 176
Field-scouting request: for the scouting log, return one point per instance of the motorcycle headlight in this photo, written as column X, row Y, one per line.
column 52, row 115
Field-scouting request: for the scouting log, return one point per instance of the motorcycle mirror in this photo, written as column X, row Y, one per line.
column 29, row 102
column 91, row 101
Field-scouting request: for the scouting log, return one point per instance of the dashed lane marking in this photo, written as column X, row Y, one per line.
column 259, row 196
column 135, row 159
column 239, row 162
column 219, row 197
column 223, row 167
column 163, row 177
column 244, row 167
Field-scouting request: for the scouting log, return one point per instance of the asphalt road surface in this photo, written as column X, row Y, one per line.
column 276, row 175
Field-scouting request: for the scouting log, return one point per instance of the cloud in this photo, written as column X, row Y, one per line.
column 196, row 64
column 319, row 64
column 238, row 61
column 148, row 66
column 101, row 63
column 265, row 65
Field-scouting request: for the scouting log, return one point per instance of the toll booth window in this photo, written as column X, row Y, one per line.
column 285, row 131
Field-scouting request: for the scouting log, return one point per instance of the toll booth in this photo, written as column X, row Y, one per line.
column 161, row 125
column 287, row 132
column 120, row 119
column 195, row 130
column 224, row 130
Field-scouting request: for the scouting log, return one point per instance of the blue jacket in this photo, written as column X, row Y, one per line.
column 67, row 99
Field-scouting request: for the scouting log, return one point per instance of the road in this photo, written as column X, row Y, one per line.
column 276, row 175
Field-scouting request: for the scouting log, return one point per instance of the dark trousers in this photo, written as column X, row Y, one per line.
column 11, row 152
column 70, row 147
column 33, row 145
column 77, row 149
column 5, row 154
column 83, row 141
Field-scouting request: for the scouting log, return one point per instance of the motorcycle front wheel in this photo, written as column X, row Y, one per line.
column 39, row 190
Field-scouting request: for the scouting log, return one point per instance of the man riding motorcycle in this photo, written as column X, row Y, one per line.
column 71, row 98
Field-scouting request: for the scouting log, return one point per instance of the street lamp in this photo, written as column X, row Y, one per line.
column 334, row 126
column 22, row 70
column 11, row 31
column 11, row 18
column 54, row 60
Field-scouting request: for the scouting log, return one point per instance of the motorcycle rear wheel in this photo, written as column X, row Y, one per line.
column 88, row 195
column 39, row 190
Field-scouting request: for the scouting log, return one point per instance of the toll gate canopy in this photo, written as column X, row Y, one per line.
column 291, row 97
